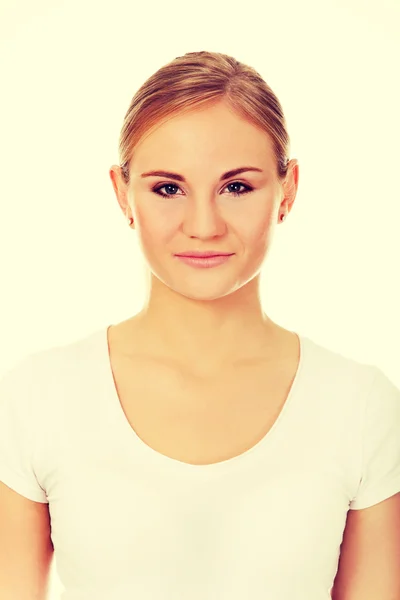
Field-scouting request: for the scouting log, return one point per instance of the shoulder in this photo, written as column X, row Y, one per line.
column 344, row 374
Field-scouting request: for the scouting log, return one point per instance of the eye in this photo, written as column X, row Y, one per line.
column 158, row 189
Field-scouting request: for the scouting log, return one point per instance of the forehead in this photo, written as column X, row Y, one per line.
column 206, row 136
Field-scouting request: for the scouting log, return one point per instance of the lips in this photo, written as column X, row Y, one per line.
column 204, row 254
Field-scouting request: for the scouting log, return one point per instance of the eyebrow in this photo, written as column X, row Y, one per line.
column 178, row 177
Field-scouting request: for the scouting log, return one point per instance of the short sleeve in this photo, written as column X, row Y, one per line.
column 380, row 444
column 17, row 431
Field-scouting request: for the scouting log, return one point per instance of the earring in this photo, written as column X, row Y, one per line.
column 130, row 220
column 282, row 217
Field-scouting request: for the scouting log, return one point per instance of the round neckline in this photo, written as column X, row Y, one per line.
column 167, row 462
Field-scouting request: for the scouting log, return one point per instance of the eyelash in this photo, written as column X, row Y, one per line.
column 237, row 194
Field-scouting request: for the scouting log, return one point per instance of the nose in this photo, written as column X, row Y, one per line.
column 203, row 219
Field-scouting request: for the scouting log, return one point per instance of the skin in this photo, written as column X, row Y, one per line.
column 200, row 314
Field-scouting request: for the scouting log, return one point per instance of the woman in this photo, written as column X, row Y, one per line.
column 198, row 449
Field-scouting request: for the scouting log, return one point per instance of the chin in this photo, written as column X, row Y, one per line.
column 203, row 292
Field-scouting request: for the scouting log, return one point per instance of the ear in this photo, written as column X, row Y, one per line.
column 291, row 184
column 120, row 188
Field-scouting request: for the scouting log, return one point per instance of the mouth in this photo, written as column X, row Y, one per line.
column 203, row 254
column 205, row 262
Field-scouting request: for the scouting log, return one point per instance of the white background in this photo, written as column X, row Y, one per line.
column 69, row 262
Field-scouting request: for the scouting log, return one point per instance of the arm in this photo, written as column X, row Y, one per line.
column 26, row 549
column 369, row 564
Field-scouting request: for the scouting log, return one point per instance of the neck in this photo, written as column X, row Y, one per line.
column 207, row 333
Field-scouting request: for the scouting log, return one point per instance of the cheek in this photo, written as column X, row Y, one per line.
column 156, row 226
column 256, row 226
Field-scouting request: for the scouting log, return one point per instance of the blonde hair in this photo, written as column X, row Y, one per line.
column 197, row 80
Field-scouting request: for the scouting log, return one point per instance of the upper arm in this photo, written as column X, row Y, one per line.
column 26, row 549
column 369, row 563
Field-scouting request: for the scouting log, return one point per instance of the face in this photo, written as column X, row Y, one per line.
column 237, row 215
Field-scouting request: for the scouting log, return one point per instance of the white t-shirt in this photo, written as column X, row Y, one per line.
column 130, row 523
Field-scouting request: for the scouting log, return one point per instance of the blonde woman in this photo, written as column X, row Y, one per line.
column 198, row 450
